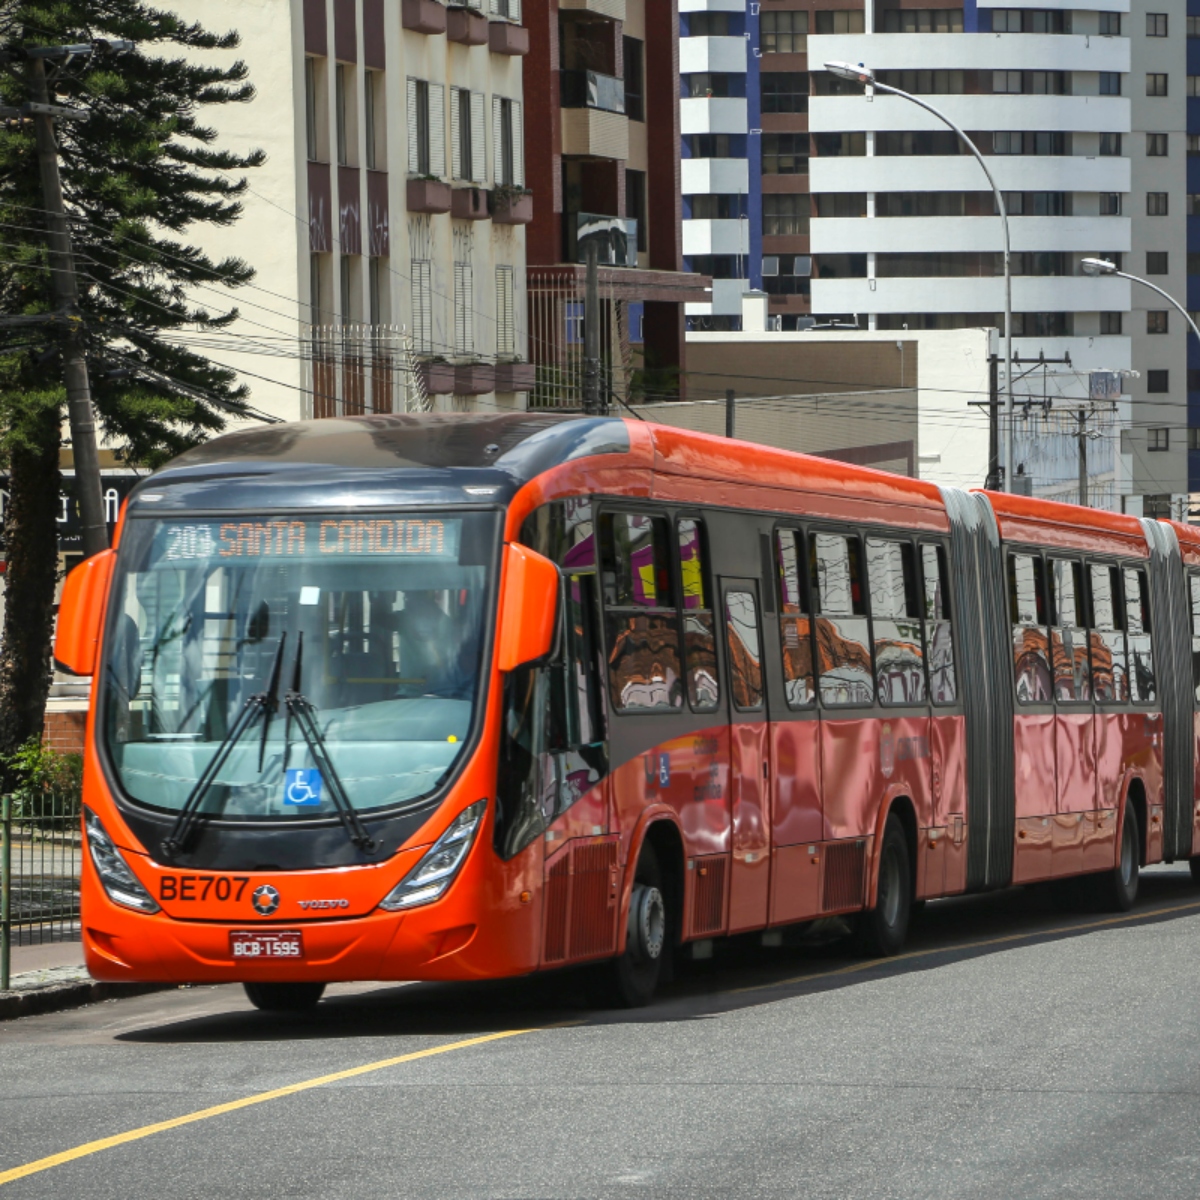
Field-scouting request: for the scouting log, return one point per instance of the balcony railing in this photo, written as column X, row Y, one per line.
column 590, row 89
column 615, row 237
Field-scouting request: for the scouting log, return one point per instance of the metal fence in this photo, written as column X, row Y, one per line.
column 40, row 858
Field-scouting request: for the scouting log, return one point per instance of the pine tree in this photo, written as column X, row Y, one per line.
column 141, row 171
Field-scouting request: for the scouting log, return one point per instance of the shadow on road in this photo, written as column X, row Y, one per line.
column 741, row 974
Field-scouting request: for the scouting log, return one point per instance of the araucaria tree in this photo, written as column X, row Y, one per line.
column 142, row 177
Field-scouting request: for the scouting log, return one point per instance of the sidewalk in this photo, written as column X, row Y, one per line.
column 51, row 977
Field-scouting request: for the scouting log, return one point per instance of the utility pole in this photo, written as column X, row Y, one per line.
column 994, row 481
column 592, row 402
column 62, row 269
column 730, row 413
column 1082, row 438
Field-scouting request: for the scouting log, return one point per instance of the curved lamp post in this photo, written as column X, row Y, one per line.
column 1101, row 266
column 866, row 76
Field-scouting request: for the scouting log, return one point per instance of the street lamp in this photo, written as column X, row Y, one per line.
column 1101, row 266
column 866, row 76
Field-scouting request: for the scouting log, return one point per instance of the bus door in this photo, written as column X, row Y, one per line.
column 1074, row 734
column 750, row 755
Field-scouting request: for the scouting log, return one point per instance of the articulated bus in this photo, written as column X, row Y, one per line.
column 461, row 697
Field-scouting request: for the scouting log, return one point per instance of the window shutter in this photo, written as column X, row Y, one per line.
column 456, row 162
column 514, row 10
column 498, row 140
column 437, row 130
column 414, row 131
column 494, row 8
column 518, row 146
column 478, row 140
column 505, row 335
column 422, row 306
column 464, row 327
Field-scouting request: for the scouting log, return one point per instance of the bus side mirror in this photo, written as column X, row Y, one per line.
column 81, row 613
column 527, row 608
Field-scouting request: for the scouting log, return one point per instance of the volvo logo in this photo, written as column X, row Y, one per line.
column 265, row 900
column 323, row 903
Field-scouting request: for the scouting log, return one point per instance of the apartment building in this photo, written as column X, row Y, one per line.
column 849, row 209
column 387, row 224
column 603, row 162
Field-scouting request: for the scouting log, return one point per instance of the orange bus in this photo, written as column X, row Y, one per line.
column 461, row 697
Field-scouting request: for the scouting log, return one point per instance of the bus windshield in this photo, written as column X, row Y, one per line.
column 376, row 621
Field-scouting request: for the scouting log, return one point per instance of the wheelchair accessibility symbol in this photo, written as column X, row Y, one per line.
column 302, row 787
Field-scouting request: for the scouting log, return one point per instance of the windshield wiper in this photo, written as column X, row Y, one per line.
column 261, row 702
column 304, row 711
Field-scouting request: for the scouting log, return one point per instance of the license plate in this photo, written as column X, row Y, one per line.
column 281, row 943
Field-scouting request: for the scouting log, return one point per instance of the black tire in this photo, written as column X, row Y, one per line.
column 880, row 931
column 284, row 997
column 635, row 974
column 1194, row 867
column 1119, row 887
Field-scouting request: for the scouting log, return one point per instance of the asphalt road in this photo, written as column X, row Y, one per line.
column 1017, row 1051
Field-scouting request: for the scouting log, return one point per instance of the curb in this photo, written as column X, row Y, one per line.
column 69, row 995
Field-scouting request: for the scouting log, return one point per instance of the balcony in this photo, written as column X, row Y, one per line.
column 613, row 9
column 593, row 133
column 469, row 204
column 615, row 239
column 474, row 379
column 428, row 196
column 590, row 89
column 515, row 376
column 509, row 207
column 437, row 375
column 467, row 26
column 506, row 38
column 423, row 16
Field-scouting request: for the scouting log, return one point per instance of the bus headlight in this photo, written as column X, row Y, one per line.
column 429, row 879
column 121, row 884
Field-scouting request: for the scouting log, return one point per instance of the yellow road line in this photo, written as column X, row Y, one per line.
column 133, row 1135
column 999, row 941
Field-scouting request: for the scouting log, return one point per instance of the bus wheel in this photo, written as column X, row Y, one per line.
column 635, row 974
column 284, row 997
column 1119, row 887
column 882, row 930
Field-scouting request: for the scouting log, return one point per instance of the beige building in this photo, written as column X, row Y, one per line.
column 387, row 223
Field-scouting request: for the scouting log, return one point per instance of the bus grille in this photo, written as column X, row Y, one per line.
column 708, row 905
column 558, row 885
column 842, row 886
column 592, row 897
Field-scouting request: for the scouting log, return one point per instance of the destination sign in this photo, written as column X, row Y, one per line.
column 357, row 537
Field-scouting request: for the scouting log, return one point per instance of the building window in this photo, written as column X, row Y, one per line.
column 318, row 300
column 1005, row 83
column 711, row 145
column 635, row 88
column 922, row 20
column 1156, row 24
column 343, row 99
column 786, row 274
column 1158, row 382
column 506, row 328
column 1110, row 83
column 1194, row 439
column 1156, row 204
column 1193, row 26
column 1193, row 263
column 508, row 142
column 920, row 83
column 1156, row 262
column 1110, row 24
column 1193, row 204
column 785, row 216
column 422, row 305
column 464, row 308
column 784, row 92
column 783, row 32
column 348, row 291
column 717, row 206
column 1156, row 83
column 850, row 204
column 1110, row 324
column 375, row 120
column 426, row 128
column 1193, row 145
column 313, row 72
column 1157, row 321
column 1158, row 439
column 1110, row 204
column 1193, row 86
column 785, row 153
column 1110, row 145
column 635, row 203
column 704, row 85
column 1156, row 145
column 840, row 21
column 1007, row 142
column 1044, row 142
column 468, row 154
column 840, row 145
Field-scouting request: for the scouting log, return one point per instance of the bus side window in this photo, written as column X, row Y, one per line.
column 699, row 632
column 843, row 632
column 1068, row 647
column 939, row 654
column 1027, row 611
column 1141, row 649
column 1109, row 678
column 1194, row 583
column 641, row 620
column 896, row 617
column 795, row 626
